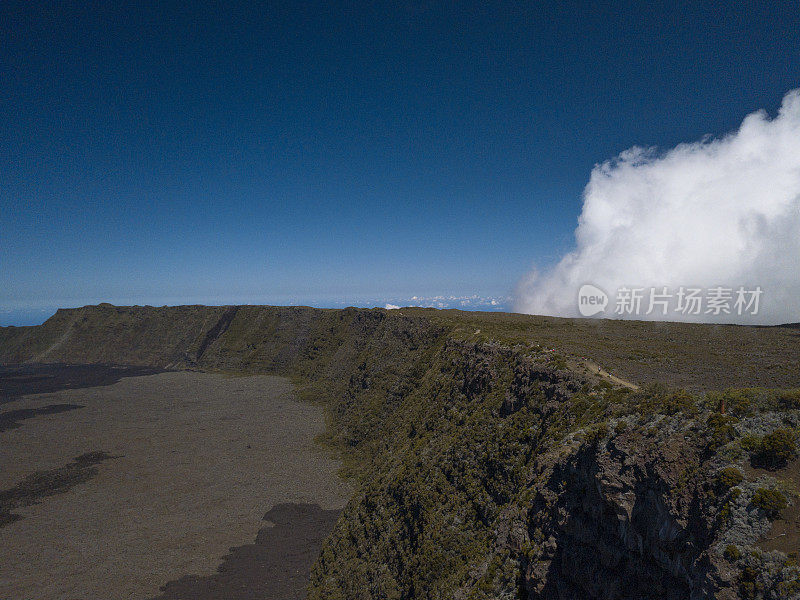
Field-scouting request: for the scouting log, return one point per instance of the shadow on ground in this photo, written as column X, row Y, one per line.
column 276, row 566
column 20, row 380
column 10, row 419
column 47, row 483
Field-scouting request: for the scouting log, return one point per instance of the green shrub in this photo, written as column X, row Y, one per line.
column 559, row 362
column 732, row 553
column 720, row 428
column 789, row 400
column 750, row 443
column 730, row 477
column 771, row 502
column 746, row 402
column 680, row 401
column 736, row 402
column 659, row 399
column 749, row 586
column 596, row 432
column 789, row 589
column 776, row 449
column 725, row 513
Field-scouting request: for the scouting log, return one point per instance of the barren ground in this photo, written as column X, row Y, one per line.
column 196, row 460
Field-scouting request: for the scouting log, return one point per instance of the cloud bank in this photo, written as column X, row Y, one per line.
column 718, row 213
column 471, row 302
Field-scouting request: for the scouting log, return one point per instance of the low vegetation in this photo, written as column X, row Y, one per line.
column 730, row 477
column 772, row 502
column 772, row 451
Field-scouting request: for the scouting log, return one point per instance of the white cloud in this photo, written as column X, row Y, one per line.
column 472, row 302
column 719, row 212
column 391, row 307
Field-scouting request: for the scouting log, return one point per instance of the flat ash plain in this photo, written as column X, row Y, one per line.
column 176, row 484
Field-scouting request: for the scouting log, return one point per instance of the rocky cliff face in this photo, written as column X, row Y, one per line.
column 494, row 468
column 626, row 517
column 507, row 475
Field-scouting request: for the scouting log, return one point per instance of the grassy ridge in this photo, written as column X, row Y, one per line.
column 288, row 339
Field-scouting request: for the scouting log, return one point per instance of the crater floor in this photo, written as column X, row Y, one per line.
column 192, row 463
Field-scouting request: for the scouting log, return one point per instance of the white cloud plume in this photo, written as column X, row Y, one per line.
column 391, row 307
column 719, row 212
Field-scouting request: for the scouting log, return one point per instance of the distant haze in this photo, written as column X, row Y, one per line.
column 713, row 213
column 36, row 316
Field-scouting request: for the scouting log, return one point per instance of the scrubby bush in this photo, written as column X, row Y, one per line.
column 749, row 585
column 789, row 400
column 725, row 513
column 559, row 362
column 680, row 401
column 725, row 510
column 596, row 432
column 738, row 402
column 746, row 402
column 750, row 443
column 730, row 477
column 771, row 502
column 660, row 399
column 720, row 430
column 789, row 589
column 732, row 553
column 773, row 450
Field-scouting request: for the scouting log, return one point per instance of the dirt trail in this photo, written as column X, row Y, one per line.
column 596, row 369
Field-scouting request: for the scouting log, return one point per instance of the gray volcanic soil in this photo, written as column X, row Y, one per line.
column 191, row 464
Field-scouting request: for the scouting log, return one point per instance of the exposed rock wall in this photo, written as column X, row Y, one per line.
column 506, row 475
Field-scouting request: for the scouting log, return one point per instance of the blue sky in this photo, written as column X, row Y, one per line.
column 341, row 153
